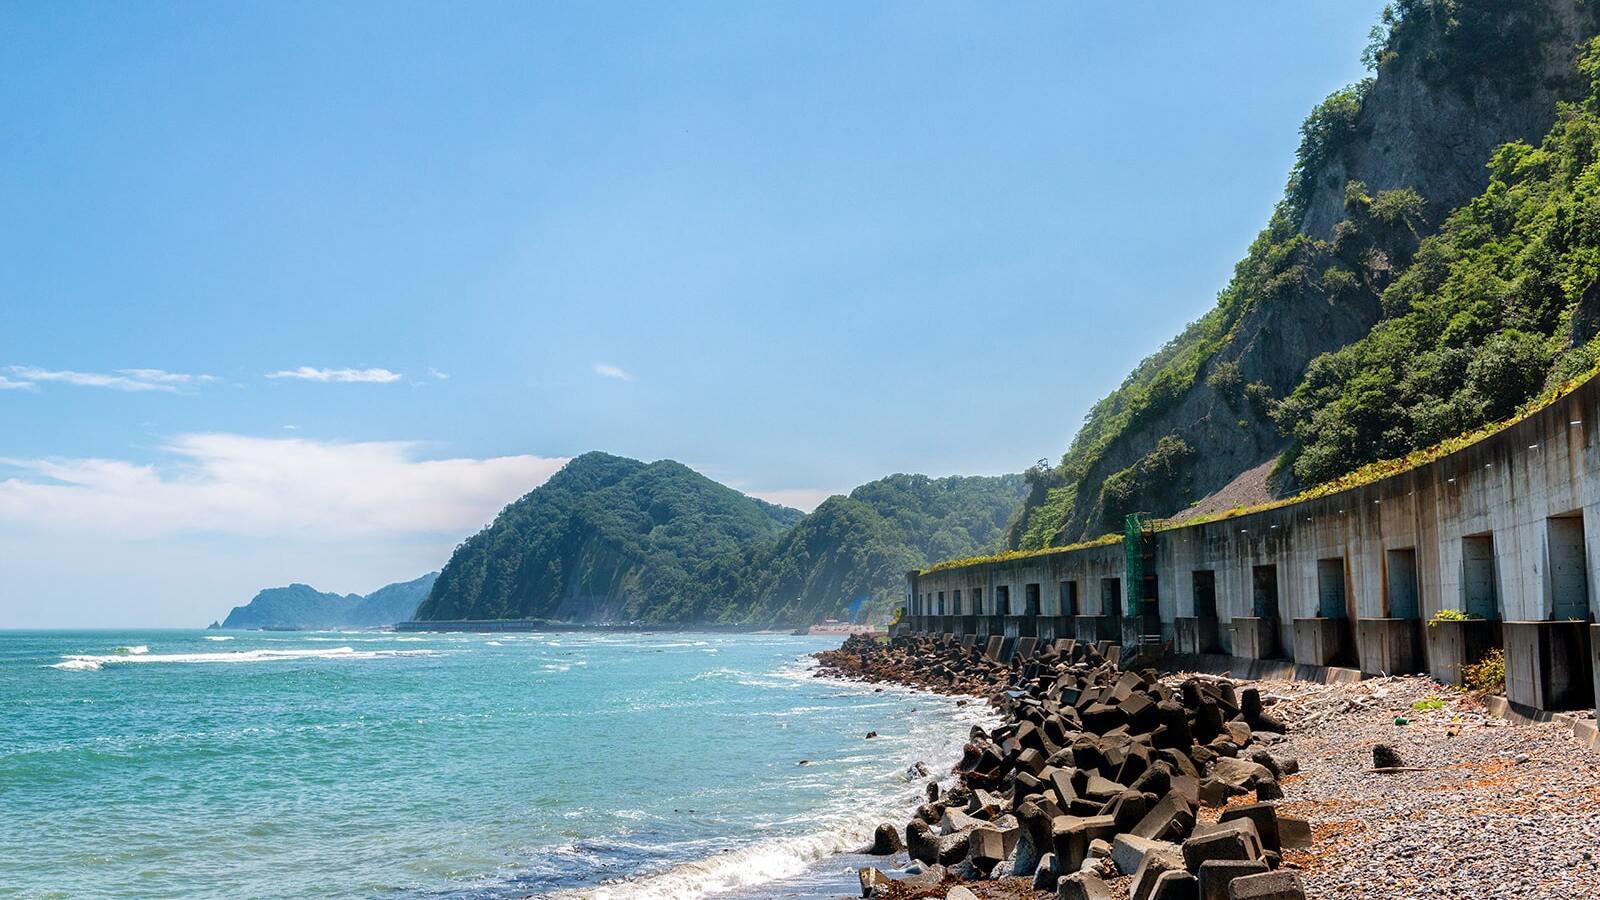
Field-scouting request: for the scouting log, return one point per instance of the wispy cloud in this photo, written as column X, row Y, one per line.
column 7, row 384
column 213, row 518
column 220, row 484
column 609, row 371
column 117, row 380
column 442, row 376
column 362, row 376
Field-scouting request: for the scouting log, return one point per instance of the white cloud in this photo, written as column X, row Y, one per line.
column 227, row 484
column 803, row 499
column 219, row 516
column 442, row 376
column 610, row 371
column 7, row 384
column 120, row 380
column 364, row 376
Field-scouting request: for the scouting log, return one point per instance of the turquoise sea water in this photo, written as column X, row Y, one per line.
column 250, row 764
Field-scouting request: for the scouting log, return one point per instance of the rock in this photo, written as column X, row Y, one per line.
column 960, row 893
column 953, row 847
column 1044, row 876
column 1169, row 818
column 955, row 820
column 921, row 842
column 1150, row 869
column 1386, row 757
column 871, row 879
column 1222, row 843
column 986, row 848
column 1176, row 886
column 1082, row 886
column 1217, row 875
column 1128, row 851
column 1267, row 886
column 1268, row 789
column 872, row 734
column 885, row 841
column 1294, row 833
column 1264, row 815
column 1239, row 774
column 930, row 876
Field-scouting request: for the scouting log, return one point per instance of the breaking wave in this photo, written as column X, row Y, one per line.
column 87, row 663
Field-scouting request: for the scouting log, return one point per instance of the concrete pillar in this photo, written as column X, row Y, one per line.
column 1389, row 646
column 1323, row 641
column 1549, row 665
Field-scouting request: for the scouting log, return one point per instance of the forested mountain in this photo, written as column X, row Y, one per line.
column 302, row 606
column 1355, row 328
column 605, row 539
column 613, row 539
column 859, row 548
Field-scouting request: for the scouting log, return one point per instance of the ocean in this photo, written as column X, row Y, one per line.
column 260, row 764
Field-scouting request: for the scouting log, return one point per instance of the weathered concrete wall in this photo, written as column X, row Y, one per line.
column 1507, row 528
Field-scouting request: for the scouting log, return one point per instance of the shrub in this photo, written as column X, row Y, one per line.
column 1449, row 615
column 1487, row 675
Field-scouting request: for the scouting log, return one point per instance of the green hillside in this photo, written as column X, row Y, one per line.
column 612, row 539
column 1402, row 291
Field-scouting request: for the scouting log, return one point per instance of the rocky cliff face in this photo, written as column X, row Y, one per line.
column 1381, row 164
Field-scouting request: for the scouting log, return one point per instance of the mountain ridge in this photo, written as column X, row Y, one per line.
column 301, row 606
column 610, row 539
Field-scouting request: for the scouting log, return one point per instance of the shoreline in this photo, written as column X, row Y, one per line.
column 1477, row 805
column 742, row 872
column 1099, row 780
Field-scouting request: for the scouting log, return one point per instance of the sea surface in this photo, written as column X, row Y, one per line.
column 257, row 764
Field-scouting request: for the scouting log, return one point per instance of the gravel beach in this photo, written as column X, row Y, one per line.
column 1498, row 809
column 1478, row 806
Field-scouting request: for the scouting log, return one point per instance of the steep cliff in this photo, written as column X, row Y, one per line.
column 1380, row 165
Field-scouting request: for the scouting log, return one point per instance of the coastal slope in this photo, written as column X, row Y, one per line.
column 605, row 539
column 609, row 539
column 1239, row 401
column 300, row 606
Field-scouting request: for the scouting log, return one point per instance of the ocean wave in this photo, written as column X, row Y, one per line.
column 748, row 866
column 845, row 826
column 135, row 650
column 85, row 663
column 219, row 637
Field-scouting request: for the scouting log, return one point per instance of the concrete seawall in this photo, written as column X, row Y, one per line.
column 1505, row 530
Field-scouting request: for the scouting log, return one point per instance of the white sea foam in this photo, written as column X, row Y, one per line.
column 136, row 650
column 89, row 663
column 844, row 827
column 219, row 637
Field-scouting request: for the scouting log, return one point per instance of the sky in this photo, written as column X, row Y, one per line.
column 296, row 292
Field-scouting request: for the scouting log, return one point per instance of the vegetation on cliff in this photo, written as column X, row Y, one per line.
column 1501, row 304
column 1380, row 166
column 605, row 538
column 856, row 550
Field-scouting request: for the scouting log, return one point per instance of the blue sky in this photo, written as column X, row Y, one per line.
column 305, row 292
